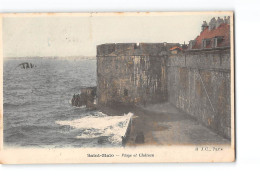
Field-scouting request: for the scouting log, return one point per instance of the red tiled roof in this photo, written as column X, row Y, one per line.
column 175, row 47
column 222, row 30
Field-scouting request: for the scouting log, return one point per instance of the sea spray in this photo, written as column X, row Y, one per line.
column 34, row 99
column 112, row 127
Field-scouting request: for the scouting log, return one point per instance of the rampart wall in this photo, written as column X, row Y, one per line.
column 131, row 73
column 199, row 84
column 196, row 81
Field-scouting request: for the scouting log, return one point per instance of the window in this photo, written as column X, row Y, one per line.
column 205, row 43
column 214, row 42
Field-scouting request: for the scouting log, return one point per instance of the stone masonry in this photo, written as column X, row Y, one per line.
column 194, row 78
column 132, row 74
column 199, row 84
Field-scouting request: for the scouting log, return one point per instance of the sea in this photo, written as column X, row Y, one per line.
column 38, row 111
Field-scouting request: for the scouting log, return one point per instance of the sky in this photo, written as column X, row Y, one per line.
column 78, row 35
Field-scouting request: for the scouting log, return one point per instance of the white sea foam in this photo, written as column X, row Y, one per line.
column 114, row 127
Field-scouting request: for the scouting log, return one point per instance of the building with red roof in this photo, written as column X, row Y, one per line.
column 216, row 34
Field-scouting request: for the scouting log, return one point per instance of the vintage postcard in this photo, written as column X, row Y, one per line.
column 124, row 87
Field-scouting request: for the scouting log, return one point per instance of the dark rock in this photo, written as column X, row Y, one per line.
column 86, row 98
column 26, row 65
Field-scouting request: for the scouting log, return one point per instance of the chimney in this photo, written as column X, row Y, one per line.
column 204, row 26
column 219, row 22
column 227, row 20
column 212, row 23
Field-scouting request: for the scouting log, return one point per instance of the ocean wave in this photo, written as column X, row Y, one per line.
column 35, row 98
column 30, row 128
column 13, row 105
column 22, row 132
column 13, row 137
column 112, row 127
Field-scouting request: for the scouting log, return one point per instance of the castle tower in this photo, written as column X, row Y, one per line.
column 132, row 74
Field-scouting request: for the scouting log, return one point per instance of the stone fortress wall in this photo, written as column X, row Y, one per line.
column 195, row 77
column 131, row 73
column 199, row 84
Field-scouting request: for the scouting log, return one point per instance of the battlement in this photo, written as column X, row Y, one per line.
column 134, row 49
